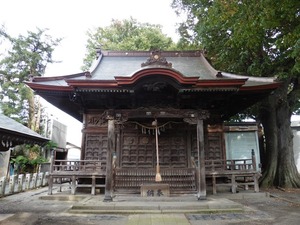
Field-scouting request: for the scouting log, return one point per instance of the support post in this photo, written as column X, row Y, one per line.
column 73, row 185
column 27, row 181
column 20, row 182
column 12, row 184
column 93, row 189
column 253, row 157
column 201, row 161
column 2, row 186
column 110, row 149
column 40, row 179
column 50, row 184
column 50, row 179
column 34, row 180
column 45, row 180
column 255, row 176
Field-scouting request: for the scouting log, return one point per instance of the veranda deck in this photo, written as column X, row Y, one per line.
column 233, row 173
column 74, row 170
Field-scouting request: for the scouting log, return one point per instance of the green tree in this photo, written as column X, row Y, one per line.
column 27, row 158
column 258, row 38
column 27, row 56
column 127, row 34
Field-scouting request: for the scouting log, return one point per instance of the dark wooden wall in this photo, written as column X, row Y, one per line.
column 136, row 149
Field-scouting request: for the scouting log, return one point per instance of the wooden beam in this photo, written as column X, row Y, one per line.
column 160, row 113
column 110, row 149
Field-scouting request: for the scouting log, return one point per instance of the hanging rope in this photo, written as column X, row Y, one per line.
column 154, row 129
column 148, row 129
column 157, row 176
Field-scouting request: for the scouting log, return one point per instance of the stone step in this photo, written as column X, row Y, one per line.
column 122, row 205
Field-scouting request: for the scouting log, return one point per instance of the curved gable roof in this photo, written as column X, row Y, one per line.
column 111, row 67
column 116, row 75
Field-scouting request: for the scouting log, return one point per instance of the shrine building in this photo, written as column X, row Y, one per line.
column 153, row 117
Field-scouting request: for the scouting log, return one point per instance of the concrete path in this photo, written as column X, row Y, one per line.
column 157, row 219
column 35, row 207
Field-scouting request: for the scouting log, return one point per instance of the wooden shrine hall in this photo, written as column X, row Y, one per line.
column 153, row 118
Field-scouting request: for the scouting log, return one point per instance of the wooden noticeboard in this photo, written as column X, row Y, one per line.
column 240, row 143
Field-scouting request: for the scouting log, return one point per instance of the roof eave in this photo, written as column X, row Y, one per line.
column 44, row 87
column 262, row 87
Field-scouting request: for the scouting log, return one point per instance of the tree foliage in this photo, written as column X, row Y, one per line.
column 247, row 37
column 258, row 38
column 26, row 56
column 128, row 34
column 27, row 158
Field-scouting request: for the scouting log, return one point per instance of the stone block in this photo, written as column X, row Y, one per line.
column 155, row 190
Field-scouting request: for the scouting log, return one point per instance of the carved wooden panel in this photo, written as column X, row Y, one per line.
column 95, row 120
column 213, row 146
column 173, row 150
column 138, row 150
column 95, row 146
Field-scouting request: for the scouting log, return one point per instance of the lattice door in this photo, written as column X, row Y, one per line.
column 138, row 150
column 95, row 147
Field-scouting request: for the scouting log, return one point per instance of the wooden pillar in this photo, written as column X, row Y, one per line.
column 201, row 161
column 110, row 149
column 73, row 185
column 93, row 189
column 255, row 176
column 253, row 157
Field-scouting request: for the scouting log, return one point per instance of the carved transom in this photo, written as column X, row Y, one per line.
column 155, row 86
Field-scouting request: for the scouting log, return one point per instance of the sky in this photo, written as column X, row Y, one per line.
column 70, row 20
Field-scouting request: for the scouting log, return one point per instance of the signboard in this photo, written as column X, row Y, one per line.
column 240, row 144
column 296, row 143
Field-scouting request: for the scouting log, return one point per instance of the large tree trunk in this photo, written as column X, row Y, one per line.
column 34, row 112
column 31, row 111
column 38, row 113
column 268, row 120
column 280, row 169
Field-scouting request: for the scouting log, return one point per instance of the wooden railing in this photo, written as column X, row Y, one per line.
column 73, row 171
column 77, row 166
column 233, row 173
column 130, row 179
column 233, row 164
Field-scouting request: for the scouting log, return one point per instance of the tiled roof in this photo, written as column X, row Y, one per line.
column 113, row 64
column 9, row 125
column 109, row 67
column 122, row 79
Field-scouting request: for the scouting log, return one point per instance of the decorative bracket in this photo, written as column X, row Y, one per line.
column 202, row 115
column 156, row 59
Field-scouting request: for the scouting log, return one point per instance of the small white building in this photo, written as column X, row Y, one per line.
column 296, row 141
column 73, row 151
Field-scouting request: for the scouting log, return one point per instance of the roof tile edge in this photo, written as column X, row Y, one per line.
column 191, row 53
